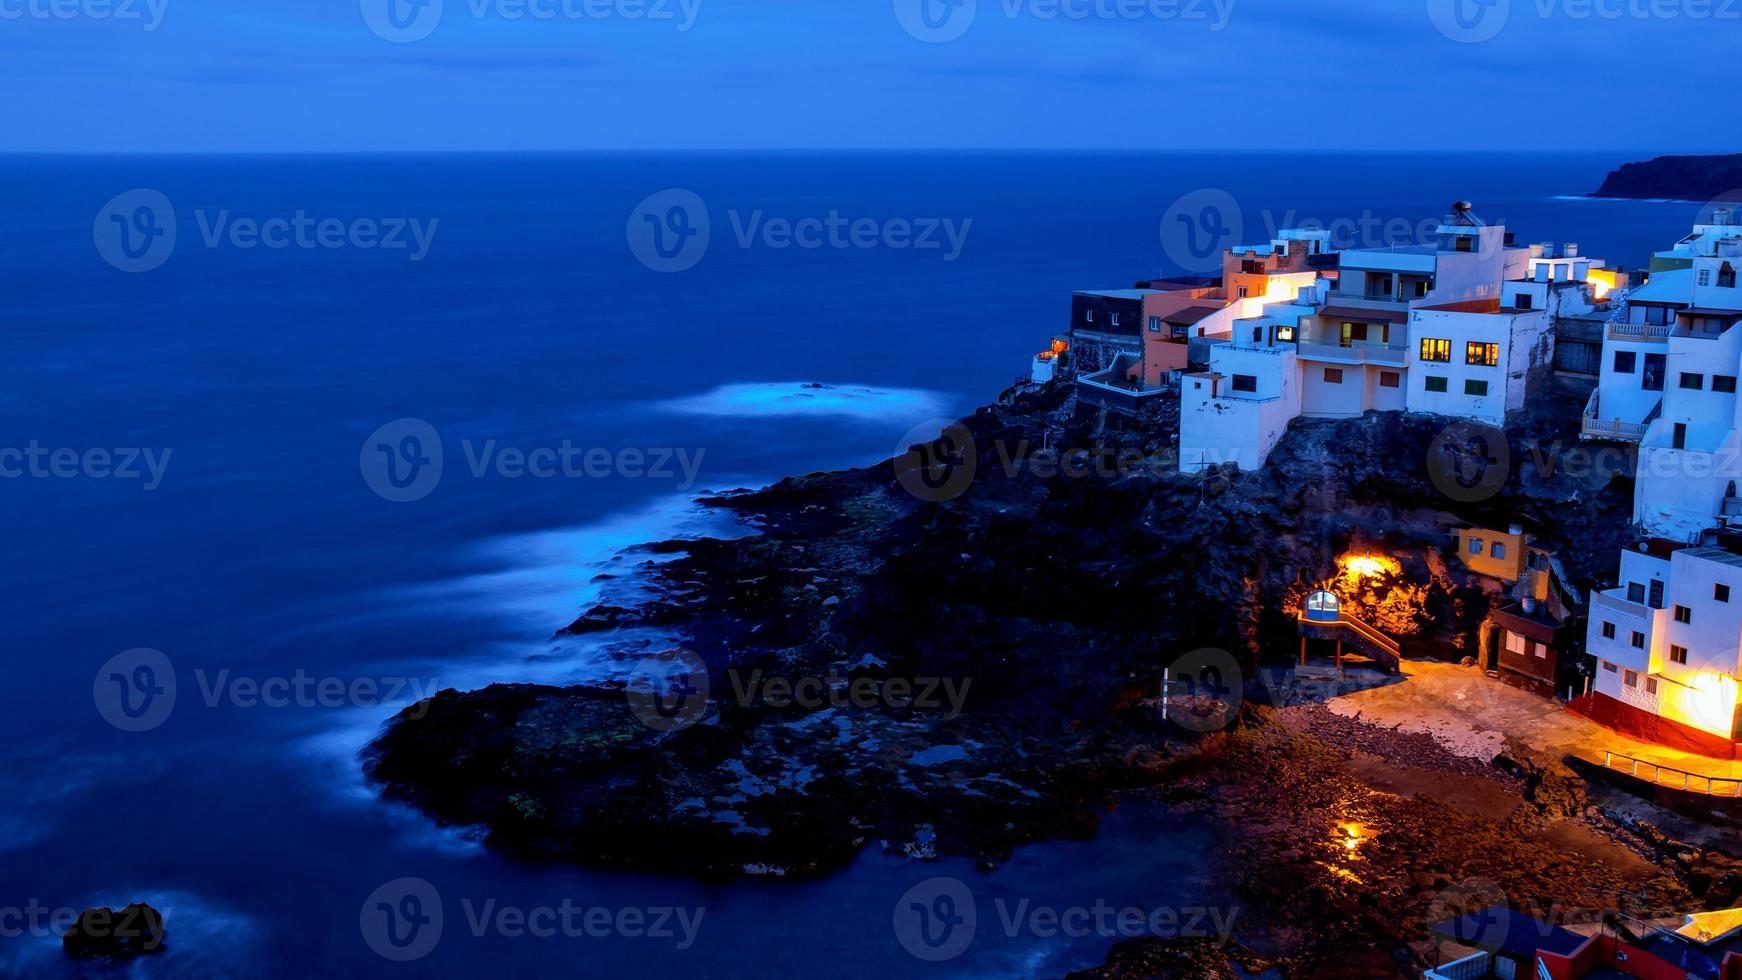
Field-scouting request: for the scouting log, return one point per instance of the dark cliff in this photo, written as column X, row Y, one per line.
column 1683, row 178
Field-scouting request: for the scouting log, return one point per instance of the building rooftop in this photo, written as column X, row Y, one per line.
column 1191, row 315
column 1119, row 293
column 1714, row 554
column 1477, row 306
column 1669, row 286
column 1501, row 930
column 1361, row 313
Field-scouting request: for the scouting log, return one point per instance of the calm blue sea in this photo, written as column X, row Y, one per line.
column 265, row 552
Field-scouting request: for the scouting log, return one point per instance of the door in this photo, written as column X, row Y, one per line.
column 1681, row 436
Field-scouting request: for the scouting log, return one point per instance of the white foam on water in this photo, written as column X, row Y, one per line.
column 540, row 581
column 799, row 398
column 204, row 939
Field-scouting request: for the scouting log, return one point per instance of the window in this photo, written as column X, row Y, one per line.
column 1683, row 614
column 1651, row 379
column 1705, row 277
column 1721, row 592
column 1655, row 599
column 1657, row 316
column 1114, row 319
column 1609, row 668
column 1333, row 376
column 1245, row 382
column 1638, row 640
column 1088, row 316
column 1464, row 244
column 1436, row 350
column 1678, row 654
column 1727, row 276
column 1523, row 300
column 1242, row 292
column 1631, row 678
column 1725, row 383
column 1693, row 382
column 1539, row 650
column 1389, row 379
column 1651, row 685
column 1475, row 546
column 1678, row 439
column 1475, row 387
column 1155, row 324
column 1497, row 550
column 1608, row 631
column 1635, row 592
column 1431, row 383
column 1625, row 361
column 1421, row 288
column 1257, row 334
column 1487, row 355
column 1284, row 333
column 1514, row 642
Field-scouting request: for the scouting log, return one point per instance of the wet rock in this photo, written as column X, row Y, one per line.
column 102, row 933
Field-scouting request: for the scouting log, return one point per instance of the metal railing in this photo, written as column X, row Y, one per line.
column 1656, row 775
column 1475, row 967
column 1371, row 635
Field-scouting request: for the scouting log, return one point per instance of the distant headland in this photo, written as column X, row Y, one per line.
column 1685, row 178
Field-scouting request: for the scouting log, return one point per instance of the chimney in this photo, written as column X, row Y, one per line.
column 1571, row 251
column 1515, row 530
column 1530, row 604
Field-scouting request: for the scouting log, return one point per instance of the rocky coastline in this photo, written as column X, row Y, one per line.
column 1049, row 590
column 1715, row 178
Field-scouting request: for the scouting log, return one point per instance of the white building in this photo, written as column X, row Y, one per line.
column 1668, row 382
column 1348, row 345
column 1475, row 359
column 1668, row 645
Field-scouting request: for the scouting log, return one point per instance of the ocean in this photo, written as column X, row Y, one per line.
column 192, row 482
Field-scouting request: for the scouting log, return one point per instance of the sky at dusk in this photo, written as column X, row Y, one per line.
column 384, row 75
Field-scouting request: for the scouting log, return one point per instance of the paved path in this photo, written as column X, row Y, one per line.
column 1472, row 715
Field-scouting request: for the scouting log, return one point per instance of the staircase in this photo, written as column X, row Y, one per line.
column 1349, row 629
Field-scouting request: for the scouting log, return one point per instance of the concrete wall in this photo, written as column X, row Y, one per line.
column 1219, row 425
column 1526, row 347
column 1624, row 396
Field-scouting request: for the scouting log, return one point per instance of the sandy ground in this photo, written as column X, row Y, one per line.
column 1473, row 716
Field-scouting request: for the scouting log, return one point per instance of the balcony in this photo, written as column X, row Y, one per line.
column 1379, row 354
column 1628, row 617
column 1639, row 333
column 1593, row 426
